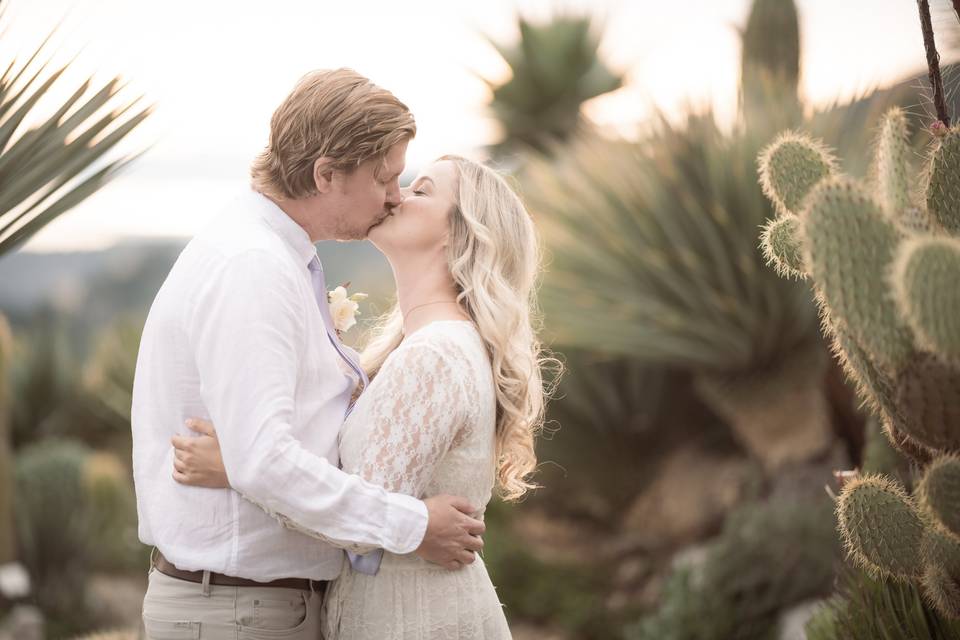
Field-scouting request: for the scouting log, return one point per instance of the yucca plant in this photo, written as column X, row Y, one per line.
column 555, row 69
column 51, row 165
column 659, row 235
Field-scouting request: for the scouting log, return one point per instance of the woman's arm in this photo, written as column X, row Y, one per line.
column 197, row 461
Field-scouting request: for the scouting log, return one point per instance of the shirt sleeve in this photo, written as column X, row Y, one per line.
column 419, row 411
column 247, row 333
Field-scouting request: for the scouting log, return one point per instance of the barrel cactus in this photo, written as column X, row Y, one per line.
column 883, row 259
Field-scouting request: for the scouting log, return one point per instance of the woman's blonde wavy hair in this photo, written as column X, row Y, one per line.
column 494, row 257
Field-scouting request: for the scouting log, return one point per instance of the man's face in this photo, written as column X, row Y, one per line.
column 365, row 196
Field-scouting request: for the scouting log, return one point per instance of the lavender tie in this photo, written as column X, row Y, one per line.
column 368, row 563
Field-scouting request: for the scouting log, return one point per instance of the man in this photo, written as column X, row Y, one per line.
column 239, row 334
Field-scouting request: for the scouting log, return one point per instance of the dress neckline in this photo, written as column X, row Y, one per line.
column 433, row 322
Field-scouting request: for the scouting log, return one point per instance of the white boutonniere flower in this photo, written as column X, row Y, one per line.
column 344, row 309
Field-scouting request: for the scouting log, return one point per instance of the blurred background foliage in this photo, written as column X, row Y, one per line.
column 684, row 464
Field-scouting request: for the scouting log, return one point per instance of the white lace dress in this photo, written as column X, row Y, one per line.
column 425, row 426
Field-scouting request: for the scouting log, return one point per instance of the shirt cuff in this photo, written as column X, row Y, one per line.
column 407, row 518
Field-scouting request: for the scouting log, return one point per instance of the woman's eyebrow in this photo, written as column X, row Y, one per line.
column 422, row 179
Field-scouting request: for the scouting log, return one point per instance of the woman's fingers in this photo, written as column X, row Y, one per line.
column 198, row 425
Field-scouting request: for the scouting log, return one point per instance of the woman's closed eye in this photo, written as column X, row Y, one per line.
column 419, row 192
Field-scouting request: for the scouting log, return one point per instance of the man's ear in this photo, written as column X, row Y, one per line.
column 323, row 174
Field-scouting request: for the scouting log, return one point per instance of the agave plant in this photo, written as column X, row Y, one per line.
column 555, row 69
column 50, row 164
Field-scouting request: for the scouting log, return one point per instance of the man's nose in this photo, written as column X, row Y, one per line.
column 394, row 198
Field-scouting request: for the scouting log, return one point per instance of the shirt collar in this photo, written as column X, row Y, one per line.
column 291, row 232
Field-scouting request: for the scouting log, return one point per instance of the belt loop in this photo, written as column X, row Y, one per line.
column 153, row 559
column 206, row 584
column 312, row 587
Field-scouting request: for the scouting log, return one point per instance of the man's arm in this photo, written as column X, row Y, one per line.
column 247, row 335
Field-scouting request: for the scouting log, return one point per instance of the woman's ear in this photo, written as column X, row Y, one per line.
column 323, row 174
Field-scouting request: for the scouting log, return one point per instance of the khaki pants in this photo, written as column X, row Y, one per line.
column 175, row 609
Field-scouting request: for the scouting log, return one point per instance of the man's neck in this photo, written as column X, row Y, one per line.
column 301, row 211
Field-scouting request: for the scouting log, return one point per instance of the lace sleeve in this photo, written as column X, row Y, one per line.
column 420, row 410
column 419, row 413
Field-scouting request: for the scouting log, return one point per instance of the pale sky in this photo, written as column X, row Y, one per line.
column 216, row 69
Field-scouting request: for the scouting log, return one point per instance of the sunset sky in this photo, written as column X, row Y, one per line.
column 217, row 69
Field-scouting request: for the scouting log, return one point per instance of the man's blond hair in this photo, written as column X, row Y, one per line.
column 337, row 114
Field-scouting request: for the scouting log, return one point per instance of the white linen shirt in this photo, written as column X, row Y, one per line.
column 235, row 336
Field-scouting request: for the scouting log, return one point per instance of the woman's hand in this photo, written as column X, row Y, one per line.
column 197, row 461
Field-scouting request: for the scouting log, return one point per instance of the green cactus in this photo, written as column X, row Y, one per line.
column 782, row 246
column 881, row 527
column 924, row 284
column 891, row 169
column 928, row 392
column 943, row 187
column 941, row 574
column 849, row 243
column 939, row 491
column 791, row 167
column 884, row 270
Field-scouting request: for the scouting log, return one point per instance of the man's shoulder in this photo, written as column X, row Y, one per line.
column 237, row 234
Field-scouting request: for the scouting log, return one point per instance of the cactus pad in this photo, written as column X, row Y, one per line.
column 881, row 528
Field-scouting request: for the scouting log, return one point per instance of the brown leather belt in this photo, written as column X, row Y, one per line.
column 165, row 567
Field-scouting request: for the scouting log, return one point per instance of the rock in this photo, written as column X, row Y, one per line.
column 687, row 499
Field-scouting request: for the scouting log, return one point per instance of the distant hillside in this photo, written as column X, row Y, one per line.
column 85, row 292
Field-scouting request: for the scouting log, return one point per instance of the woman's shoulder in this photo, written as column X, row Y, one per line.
column 454, row 343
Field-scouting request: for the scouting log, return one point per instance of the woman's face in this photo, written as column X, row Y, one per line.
column 420, row 224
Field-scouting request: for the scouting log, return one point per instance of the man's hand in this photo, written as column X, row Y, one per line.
column 452, row 536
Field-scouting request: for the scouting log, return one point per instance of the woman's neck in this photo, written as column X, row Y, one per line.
column 425, row 292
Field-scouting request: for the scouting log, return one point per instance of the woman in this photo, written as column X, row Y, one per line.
column 455, row 400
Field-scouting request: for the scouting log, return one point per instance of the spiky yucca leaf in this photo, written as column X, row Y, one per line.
column 51, row 165
column 658, row 236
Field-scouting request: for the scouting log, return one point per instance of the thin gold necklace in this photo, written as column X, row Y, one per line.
column 427, row 304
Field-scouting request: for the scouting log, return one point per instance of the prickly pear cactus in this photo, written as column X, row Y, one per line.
column 884, row 263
